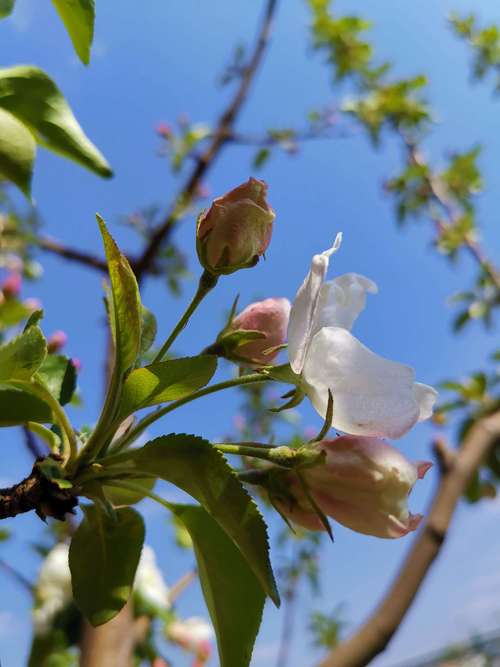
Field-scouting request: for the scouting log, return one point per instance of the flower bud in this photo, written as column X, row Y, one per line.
column 363, row 484
column 270, row 318
column 193, row 635
column 236, row 230
column 56, row 342
column 11, row 286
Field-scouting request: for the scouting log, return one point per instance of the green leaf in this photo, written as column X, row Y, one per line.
column 148, row 329
column 17, row 152
column 34, row 99
column 125, row 305
column 78, row 17
column 118, row 496
column 59, row 376
column 12, row 312
column 103, row 557
column 192, row 464
column 19, row 407
column 166, row 381
column 34, row 319
column 232, row 592
column 6, row 7
column 21, row 357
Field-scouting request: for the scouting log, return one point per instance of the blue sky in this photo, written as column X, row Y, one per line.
column 153, row 65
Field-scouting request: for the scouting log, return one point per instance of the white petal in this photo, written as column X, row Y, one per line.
column 425, row 396
column 371, row 395
column 304, row 307
column 341, row 300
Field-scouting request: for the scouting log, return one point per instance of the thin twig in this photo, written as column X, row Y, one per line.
column 376, row 633
column 20, row 578
column 222, row 133
column 439, row 195
column 72, row 254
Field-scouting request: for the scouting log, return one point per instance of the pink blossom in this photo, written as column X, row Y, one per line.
column 363, row 484
column 269, row 317
column 11, row 286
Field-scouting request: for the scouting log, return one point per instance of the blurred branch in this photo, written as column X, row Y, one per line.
column 439, row 195
column 71, row 254
column 378, row 630
column 144, row 262
column 20, row 578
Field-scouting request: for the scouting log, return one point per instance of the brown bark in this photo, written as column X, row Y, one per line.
column 109, row 645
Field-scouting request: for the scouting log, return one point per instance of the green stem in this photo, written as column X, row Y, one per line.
column 69, row 441
column 161, row 412
column 206, row 284
column 245, row 450
column 51, row 439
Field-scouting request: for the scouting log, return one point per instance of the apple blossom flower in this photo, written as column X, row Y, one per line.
column 236, row 230
column 363, row 484
column 57, row 341
column 269, row 317
column 372, row 396
column 149, row 582
column 193, row 635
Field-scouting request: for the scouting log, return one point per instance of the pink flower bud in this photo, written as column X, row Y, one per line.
column 77, row 364
column 270, row 317
column 193, row 635
column 164, row 130
column 56, row 342
column 11, row 286
column 236, row 230
column 32, row 305
column 363, row 484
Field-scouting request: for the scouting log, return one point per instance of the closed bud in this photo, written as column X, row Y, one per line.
column 236, row 230
column 194, row 635
column 11, row 286
column 363, row 484
column 56, row 342
column 268, row 318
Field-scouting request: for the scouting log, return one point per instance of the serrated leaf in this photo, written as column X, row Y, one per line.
column 232, row 592
column 18, row 407
column 59, row 376
column 17, row 152
column 103, row 558
column 192, row 464
column 6, row 7
column 22, row 356
column 34, row 99
column 166, row 381
column 78, row 17
column 125, row 305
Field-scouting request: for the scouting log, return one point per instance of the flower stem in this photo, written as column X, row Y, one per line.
column 157, row 414
column 206, row 284
column 246, row 450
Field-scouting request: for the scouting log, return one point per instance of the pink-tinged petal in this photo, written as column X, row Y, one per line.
column 270, row 317
column 305, row 306
column 426, row 397
column 299, row 516
column 342, row 300
column 423, row 467
column 372, row 396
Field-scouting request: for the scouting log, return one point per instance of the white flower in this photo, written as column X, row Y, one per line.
column 149, row 582
column 371, row 395
column 53, row 589
column 193, row 634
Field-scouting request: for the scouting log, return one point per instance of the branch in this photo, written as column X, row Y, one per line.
column 221, row 136
column 439, row 195
column 373, row 637
column 72, row 254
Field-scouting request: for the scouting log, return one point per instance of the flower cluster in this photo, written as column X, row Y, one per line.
column 362, row 481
